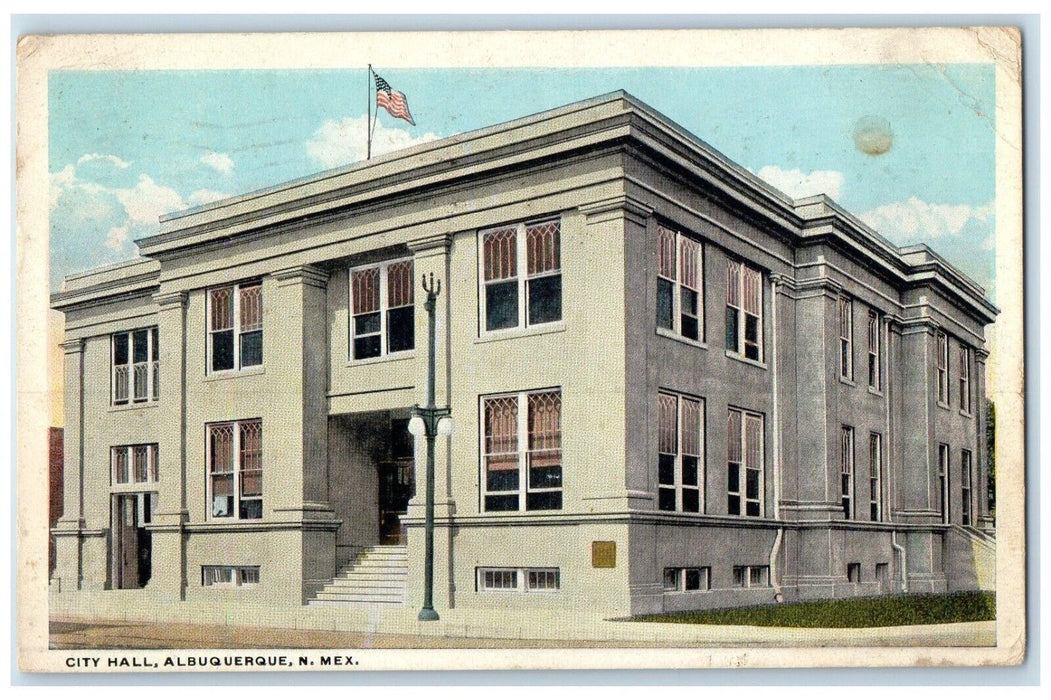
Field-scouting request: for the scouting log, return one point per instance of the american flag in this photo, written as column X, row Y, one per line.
column 391, row 100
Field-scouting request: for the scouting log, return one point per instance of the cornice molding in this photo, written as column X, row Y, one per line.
column 73, row 347
column 621, row 206
column 308, row 275
column 170, row 300
column 439, row 242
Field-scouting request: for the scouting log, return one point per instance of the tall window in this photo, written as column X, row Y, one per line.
column 744, row 464
column 874, row 354
column 943, row 482
column 966, row 479
column 680, row 448
column 134, row 464
column 381, row 302
column 875, row 477
column 744, row 310
column 235, row 327
column 965, row 379
column 135, row 367
column 235, row 469
column 846, row 338
column 522, row 451
column 680, row 276
column 513, row 297
column 846, row 471
column 943, row 368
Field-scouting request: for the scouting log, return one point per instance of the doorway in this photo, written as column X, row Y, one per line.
column 397, row 483
column 131, row 551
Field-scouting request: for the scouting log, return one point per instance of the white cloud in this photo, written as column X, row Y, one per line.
column 338, row 143
column 915, row 219
column 797, row 184
column 199, row 197
column 117, row 162
column 220, row 162
column 117, row 238
column 146, row 201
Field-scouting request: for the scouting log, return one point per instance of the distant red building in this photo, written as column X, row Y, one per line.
column 54, row 485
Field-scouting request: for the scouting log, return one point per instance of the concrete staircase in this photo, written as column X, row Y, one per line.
column 978, row 549
column 376, row 577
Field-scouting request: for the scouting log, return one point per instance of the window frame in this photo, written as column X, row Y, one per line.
column 679, row 239
column 875, row 356
column 681, row 574
column 522, row 579
column 237, row 473
column 743, row 468
column 678, row 484
column 942, row 366
column 965, row 379
column 944, row 465
column 152, row 464
column 966, row 488
column 740, row 350
column 875, row 477
column 237, row 576
column 521, row 276
column 152, row 367
column 522, row 452
column 746, row 575
column 236, row 290
column 845, row 307
column 847, row 474
column 383, row 308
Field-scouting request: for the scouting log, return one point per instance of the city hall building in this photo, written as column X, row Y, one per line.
column 673, row 387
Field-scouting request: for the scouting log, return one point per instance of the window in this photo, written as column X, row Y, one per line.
column 874, row 354
column 516, row 298
column 382, row 314
column 136, row 367
column 680, row 449
column 875, row 477
column 229, row 576
column 690, row 579
column 744, row 468
column 134, row 464
column 519, row 580
column 680, row 277
column 751, row 576
column 966, row 479
column 965, row 379
column 522, row 451
column 744, row 310
column 854, row 572
column 943, row 482
column 846, row 339
column 235, row 327
column 235, row 469
column 943, row 368
column 846, row 471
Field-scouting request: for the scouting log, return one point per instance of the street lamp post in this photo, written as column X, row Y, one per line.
column 430, row 421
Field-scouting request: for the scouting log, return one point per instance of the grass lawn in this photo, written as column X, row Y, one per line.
column 888, row 611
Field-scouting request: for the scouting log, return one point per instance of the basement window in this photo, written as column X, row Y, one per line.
column 688, row 579
column 518, row 580
column 751, row 576
column 229, row 576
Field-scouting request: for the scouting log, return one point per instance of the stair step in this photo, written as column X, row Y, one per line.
column 377, row 575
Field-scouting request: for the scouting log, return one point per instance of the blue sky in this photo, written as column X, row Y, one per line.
column 128, row 146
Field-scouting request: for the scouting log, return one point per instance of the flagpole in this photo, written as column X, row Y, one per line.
column 368, row 117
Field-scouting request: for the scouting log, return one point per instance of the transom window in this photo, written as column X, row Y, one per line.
column 513, row 297
column 235, row 469
column 965, row 379
column 846, row 471
column 235, row 327
column 136, row 367
column 943, row 368
column 382, row 313
column 744, row 310
column 515, row 580
column 846, row 338
column 680, row 450
column 229, row 576
column 875, row 477
column 134, row 464
column 744, row 464
column 874, row 353
column 522, row 451
column 680, row 279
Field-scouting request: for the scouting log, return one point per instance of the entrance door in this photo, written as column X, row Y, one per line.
column 395, row 490
column 132, row 543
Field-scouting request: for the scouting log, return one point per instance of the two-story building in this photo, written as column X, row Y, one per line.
column 673, row 387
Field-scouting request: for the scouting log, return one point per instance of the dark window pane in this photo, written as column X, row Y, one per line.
column 120, row 349
column 155, row 350
column 693, row 579
column 752, row 483
column 140, row 345
column 501, row 305
column 545, row 500
column 689, row 313
column 664, row 310
column 222, row 350
column 872, row 372
column 689, row 471
column 690, row 329
column 545, row 299
column 844, row 358
column 366, row 347
column 501, row 480
column 733, row 505
column 666, row 469
column 846, row 507
column 751, row 337
column 691, row 501
column 402, row 444
column 251, row 510
column 401, row 329
column 873, row 511
column 671, row 579
column 752, row 510
column 501, row 502
column 666, row 499
column 252, row 349
column 731, row 329
column 733, row 477
column 545, row 477
column 366, row 323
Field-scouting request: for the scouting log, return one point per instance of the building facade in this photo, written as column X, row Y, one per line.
column 673, row 387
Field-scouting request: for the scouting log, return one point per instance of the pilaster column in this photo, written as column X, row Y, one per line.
column 68, row 530
column 918, row 497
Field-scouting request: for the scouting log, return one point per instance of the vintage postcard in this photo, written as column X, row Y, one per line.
column 632, row 349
